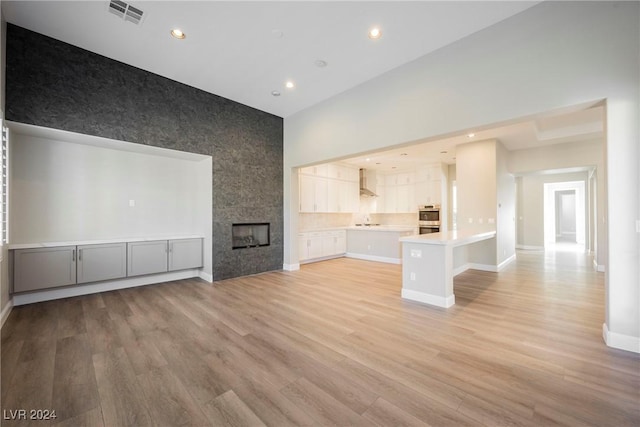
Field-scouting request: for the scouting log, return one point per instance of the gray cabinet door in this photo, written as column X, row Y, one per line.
column 42, row 268
column 102, row 262
column 185, row 253
column 147, row 257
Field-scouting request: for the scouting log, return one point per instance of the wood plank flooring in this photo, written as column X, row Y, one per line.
column 331, row 344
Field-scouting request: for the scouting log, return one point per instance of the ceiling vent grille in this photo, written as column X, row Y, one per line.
column 126, row 11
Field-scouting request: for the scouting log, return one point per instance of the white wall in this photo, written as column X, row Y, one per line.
column 551, row 56
column 581, row 154
column 65, row 191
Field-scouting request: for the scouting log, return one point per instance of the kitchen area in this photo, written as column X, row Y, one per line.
column 361, row 208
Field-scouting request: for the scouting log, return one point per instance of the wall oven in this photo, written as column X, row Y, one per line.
column 429, row 219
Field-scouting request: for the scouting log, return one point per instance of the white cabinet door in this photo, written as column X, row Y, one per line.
column 303, row 247
column 307, row 193
column 340, row 242
column 315, row 245
column 314, row 193
column 334, row 191
column 147, row 257
column 184, row 254
column 43, row 268
column 102, row 262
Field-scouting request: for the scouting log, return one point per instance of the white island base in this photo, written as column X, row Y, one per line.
column 429, row 262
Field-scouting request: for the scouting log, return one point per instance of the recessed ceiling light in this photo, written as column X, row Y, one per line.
column 178, row 34
column 471, row 135
column 393, row 167
column 289, row 84
column 443, row 152
column 378, row 163
column 275, row 93
column 403, row 154
column 320, row 63
column 375, row 33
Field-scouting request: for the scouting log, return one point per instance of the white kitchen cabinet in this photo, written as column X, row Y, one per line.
column 334, row 243
column 101, row 262
column 399, row 193
column 42, row 268
column 314, row 193
column 321, row 244
column 185, row 254
column 147, row 257
column 343, row 196
column 310, row 245
column 329, row 188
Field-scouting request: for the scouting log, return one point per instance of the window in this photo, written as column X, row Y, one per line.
column 4, row 192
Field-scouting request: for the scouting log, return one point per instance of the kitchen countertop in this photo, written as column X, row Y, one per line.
column 452, row 238
column 97, row 242
column 388, row 228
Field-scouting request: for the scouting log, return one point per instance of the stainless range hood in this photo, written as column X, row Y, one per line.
column 365, row 189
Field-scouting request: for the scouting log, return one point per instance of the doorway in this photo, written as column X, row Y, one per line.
column 565, row 215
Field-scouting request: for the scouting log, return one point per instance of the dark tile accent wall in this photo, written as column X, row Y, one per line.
column 53, row 84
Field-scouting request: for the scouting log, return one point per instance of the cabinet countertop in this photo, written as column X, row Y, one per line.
column 387, row 228
column 98, row 242
column 452, row 238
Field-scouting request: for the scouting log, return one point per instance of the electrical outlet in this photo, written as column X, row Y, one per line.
column 491, row 221
column 470, row 220
column 416, row 253
column 480, row 221
column 132, row 203
column 413, row 276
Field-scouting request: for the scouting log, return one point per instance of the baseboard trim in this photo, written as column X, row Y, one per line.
column 530, row 247
column 460, row 269
column 6, row 311
column 428, row 298
column 620, row 341
column 506, row 262
column 374, row 258
column 206, row 276
column 291, row 267
column 598, row 267
column 483, row 267
column 92, row 288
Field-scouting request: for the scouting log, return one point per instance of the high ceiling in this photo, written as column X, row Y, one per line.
column 575, row 124
column 245, row 50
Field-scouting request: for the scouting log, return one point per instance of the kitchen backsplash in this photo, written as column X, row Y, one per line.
column 316, row 221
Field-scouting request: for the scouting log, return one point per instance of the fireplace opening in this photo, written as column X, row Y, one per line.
column 250, row 235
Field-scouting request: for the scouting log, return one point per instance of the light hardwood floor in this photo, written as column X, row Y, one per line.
column 331, row 344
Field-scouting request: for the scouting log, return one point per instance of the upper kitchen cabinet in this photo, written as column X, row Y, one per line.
column 399, row 193
column 314, row 193
column 329, row 188
column 431, row 184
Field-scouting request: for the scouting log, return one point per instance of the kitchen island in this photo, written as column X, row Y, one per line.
column 429, row 262
column 379, row 243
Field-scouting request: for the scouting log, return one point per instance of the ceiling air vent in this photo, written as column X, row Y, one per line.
column 126, row 11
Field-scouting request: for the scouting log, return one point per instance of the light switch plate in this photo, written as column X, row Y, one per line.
column 132, row 203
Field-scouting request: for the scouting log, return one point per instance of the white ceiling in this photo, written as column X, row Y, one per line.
column 575, row 124
column 232, row 49
column 244, row 50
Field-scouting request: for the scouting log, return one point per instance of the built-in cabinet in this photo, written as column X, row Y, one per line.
column 329, row 188
column 321, row 244
column 403, row 192
column 43, row 268
column 101, row 262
